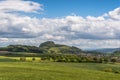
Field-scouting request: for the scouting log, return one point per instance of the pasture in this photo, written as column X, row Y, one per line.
column 13, row 69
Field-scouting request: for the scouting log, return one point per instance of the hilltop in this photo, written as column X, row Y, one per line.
column 48, row 47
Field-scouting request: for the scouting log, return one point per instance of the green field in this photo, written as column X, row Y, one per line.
column 11, row 69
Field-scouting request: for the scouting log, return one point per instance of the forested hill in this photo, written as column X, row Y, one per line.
column 46, row 47
column 51, row 47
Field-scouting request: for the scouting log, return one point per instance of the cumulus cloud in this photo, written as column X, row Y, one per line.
column 19, row 5
column 115, row 14
column 73, row 30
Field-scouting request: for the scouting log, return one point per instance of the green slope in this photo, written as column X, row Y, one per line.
column 56, row 71
column 46, row 47
column 51, row 47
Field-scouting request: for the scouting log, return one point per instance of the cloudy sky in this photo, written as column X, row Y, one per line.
column 86, row 24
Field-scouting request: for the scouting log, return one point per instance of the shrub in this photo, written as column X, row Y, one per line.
column 33, row 59
column 116, row 71
column 113, row 60
column 108, row 70
column 101, row 60
column 22, row 58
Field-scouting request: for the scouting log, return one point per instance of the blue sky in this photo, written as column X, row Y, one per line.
column 60, row 8
column 82, row 23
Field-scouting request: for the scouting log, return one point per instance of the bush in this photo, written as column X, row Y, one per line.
column 118, row 72
column 33, row 59
column 113, row 60
column 22, row 58
column 108, row 70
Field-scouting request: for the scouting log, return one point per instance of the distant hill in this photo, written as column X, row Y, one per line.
column 107, row 50
column 21, row 48
column 48, row 47
column 51, row 47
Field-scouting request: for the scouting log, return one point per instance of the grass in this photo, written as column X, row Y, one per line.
column 15, row 70
column 12, row 59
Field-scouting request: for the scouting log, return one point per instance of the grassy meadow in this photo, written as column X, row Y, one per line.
column 13, row 69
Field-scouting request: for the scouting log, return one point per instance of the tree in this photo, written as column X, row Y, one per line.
column 33, row 59
column 113, row 60
column 22, row 58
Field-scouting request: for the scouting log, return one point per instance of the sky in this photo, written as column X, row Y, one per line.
column 87, row 24
column 61, row 8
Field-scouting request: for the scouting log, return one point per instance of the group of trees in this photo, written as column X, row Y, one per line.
column 75, row 58
column 21, row 48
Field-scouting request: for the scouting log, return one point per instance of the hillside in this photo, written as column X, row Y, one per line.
column 57, row 71
column 47, row 47
column 51, row 47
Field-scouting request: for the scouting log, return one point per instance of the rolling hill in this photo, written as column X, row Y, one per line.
column 48, row 47
column 51, row 47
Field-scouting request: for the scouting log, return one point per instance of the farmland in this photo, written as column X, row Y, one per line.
column 13, row 69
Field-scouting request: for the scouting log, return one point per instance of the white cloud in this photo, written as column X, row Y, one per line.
column 88, row 43
column 72, row 30
column 52, row 37
column 4, row 39
column 95, row 18
column 115, row 14
column 19, row 5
